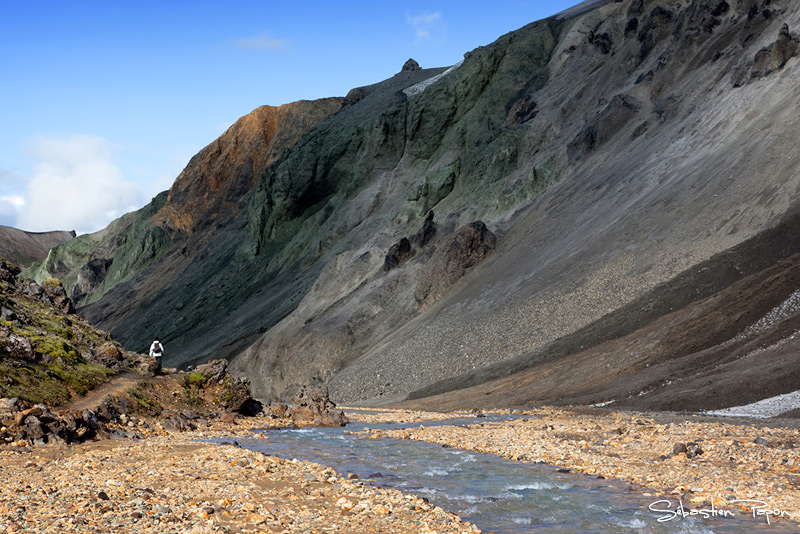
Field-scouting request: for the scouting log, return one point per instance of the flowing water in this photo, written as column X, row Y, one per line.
column 496, row 494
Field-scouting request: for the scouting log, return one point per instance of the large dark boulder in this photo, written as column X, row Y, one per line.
column 467, row 247
column 397, row 254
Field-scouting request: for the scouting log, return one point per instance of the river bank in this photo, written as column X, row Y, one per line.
column 176, row 484
column 180, row 483
column 750, row 467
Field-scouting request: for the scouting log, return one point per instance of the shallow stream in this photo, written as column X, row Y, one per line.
column 496, row 494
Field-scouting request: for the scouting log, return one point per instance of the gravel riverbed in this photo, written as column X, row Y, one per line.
column 181, row 483
column 753, row 468
column 177, row 484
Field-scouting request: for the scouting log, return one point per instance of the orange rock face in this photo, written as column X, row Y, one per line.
column 217, row 179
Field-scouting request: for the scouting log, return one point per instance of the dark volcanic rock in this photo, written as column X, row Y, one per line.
column 410, row 66
column 312, row 404
column 8, row 271
column 178, row 423
column 521, row 111
column 470, row 244
column 426, row 233
column 775, row 56
column 618, row 113
column 397, row 254
column 55, row 292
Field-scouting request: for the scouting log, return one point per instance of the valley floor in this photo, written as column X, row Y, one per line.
column 176, row 483
column 181, row 484
column 748, row 467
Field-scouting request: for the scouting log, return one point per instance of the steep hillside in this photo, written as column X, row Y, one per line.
column 23, row 248
column 47, row 353
column 552, row 193
column 207, row 196
column 660, row 135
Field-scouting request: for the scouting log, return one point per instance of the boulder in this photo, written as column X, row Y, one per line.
column 312, row 404
column 9, row 407
column 397, row 254
column 178, row 423
column 278, row 410
column 32, row 289
column 20, row 347
column 8, row 271
column 214, row 371
column 153, row 366
column 467, row 247
column 107, row 354
column 775, row 56
column 24, row 414
column 7, row 314
column 57, row 295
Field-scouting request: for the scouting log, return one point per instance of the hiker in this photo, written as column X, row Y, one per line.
column 156, row 351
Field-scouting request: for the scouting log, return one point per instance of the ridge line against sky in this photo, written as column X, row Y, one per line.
column 104, row 103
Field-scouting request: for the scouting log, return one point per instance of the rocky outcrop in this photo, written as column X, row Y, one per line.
column 109, row 355
column 231, row 393
column 410, row 65
column 90, row 277
column 775, row 56
column 38, row 425
column 47, row 353
column 312, row 404
column 469, row 246
column 57, row 295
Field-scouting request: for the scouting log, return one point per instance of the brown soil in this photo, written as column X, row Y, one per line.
column 117, row 387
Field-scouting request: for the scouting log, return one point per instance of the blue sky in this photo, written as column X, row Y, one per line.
column 103, row 103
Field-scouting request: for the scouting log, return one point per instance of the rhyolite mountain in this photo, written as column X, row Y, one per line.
column 23, row 248
column 600, row 206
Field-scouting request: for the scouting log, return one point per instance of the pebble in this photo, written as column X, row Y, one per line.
column 174, row 484
column 665, row 454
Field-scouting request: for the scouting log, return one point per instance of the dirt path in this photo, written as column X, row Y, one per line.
column 116, row 386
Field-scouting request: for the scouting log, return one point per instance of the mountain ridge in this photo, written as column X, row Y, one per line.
column 23, row 248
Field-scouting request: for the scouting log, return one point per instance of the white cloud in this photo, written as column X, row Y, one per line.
column 10, row 207
column 427, row 25
column 76, row 186
column 260, row 42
